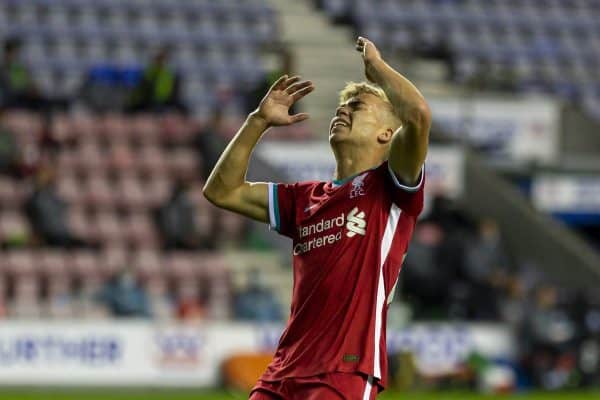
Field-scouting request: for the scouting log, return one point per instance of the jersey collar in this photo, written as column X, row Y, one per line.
column 335, row 183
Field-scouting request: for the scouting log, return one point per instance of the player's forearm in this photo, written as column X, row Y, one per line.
column 229, row 173
column 407, row 100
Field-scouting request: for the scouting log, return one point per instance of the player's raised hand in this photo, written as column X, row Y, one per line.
column 274, row 107
column 370, row 54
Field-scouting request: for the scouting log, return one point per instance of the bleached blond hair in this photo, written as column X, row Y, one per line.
column 353, row 89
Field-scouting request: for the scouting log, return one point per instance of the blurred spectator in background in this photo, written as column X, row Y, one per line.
column 209, row 142
column 176, row 220
column 159, row 88
column 424, row 282
column 256, row 92
column 189, row 303
column 485, row 270
column 548, row 338
column 256, row 301
column 160, row 302
column 10, row 154
column 124, row 296
column 2, row 298
column 60, row 300
column 16, row 82
column 47, row 213
column 17, row 86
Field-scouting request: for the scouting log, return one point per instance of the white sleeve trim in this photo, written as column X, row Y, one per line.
column 272, row 194
column 404, row 187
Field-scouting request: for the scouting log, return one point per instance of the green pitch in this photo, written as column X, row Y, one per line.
column 160, row 394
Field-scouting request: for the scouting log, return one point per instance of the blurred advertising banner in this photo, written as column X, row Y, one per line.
column 505, row 129
column 143, row 353
column 444, row 166
column 573, row 198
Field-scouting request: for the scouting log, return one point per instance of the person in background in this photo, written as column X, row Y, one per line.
column 10, row 154
column 124, row 296
column 486, row 270
column 209, row 143
column 256, row 302
column 159, row 88
column 189, row 302
column 254, row 95
column 176, row 220
column 17, row 85
column 47, row 213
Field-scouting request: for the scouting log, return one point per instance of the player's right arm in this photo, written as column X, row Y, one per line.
column 226, row 186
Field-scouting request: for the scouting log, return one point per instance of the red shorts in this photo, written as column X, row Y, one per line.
column 332, row 386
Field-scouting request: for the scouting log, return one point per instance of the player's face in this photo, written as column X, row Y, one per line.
column 359, row 120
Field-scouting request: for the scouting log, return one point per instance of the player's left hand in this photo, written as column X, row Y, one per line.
column 370, row 55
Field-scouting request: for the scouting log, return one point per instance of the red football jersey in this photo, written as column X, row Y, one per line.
column 349, row 241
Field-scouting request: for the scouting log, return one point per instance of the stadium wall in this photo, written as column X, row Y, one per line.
column 141, row 353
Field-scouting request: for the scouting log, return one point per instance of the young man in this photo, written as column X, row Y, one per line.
column 349, row 235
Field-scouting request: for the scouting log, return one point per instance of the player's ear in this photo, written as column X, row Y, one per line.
column 385, row 136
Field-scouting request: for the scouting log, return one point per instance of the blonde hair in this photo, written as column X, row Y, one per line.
column 353, row 89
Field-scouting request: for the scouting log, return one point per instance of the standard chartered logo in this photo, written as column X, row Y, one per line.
column 356, row 223
column 329, row 231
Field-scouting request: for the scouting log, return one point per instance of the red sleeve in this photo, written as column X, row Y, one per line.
column 284, row 202
column 408, row 198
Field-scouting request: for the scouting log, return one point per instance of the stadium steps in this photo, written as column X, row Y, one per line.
column 314, row 41
column 556, row 249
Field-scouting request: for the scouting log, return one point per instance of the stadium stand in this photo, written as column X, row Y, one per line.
column 113, row 171
column 63, row 40
column 550, row 47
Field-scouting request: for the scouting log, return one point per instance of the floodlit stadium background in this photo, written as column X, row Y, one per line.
column 117, row 275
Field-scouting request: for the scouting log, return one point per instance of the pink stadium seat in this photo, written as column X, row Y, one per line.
column 59, row 302
column 139, row 230
column 26, row 125
column 89, row 156
column 52, row 263
column 62, row 127
column 69, row 188
column 145, row 128
column 11, row 193
column 81, row 224
column 130, row 193
column 151, row 159
column 99, row 192
column 179, row 265
column 174, row 128
column 112, row 125
column 113, row 258
column 68, row 160
column 157, row 190
column 110, row 227
column 13, row 225
column 183, row 161
column 26, row 298
column 20, row 262
column 83, row 125
column 86, row 264
column 147, row 263
column 120, row 157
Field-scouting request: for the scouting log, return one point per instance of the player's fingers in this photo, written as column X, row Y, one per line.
column 279, row 82
column 297, row 86
column 302, row 92
column 299, row 117
column 290, row 81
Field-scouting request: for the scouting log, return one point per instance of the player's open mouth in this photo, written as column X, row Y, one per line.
column 339, row 122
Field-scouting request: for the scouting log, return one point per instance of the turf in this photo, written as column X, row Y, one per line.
column 103, row 394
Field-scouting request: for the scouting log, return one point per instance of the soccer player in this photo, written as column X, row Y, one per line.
column 349, row 235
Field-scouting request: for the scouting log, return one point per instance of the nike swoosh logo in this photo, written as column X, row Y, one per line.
column 307, row 209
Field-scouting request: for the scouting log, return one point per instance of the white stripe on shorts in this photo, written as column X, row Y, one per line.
column 368, row 388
